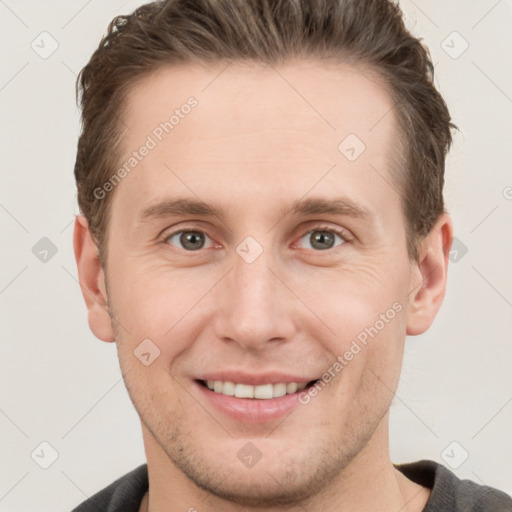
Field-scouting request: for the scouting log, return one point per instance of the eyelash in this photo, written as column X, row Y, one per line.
column 343, row 234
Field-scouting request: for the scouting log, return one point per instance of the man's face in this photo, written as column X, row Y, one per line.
column 260, row 292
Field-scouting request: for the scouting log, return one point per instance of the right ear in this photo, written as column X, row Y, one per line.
column 92, row 280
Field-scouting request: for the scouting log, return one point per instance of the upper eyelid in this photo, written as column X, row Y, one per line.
column 323, row 227
column 315, row 227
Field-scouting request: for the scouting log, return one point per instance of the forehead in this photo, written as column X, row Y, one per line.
column 333, row 98
column 284, row 126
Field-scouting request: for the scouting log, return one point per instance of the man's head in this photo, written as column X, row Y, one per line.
column 285, row 227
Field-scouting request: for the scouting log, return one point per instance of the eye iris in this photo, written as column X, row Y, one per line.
column 189, row 240
column 321, row 237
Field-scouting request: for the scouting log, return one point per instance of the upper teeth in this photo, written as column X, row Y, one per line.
column 264, row 391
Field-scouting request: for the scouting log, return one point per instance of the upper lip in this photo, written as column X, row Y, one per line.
column 253, row 379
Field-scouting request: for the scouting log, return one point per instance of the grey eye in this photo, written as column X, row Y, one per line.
column 189, row 240
column 322, row 239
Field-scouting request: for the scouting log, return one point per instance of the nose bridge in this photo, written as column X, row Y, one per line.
column 253, row 282
column 255, row 309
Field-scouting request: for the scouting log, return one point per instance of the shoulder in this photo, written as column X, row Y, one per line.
column 451, row 494
column 124, row 494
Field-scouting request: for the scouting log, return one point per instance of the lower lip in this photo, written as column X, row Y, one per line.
column 251, row 410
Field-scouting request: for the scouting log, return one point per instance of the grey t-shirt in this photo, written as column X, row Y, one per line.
column 449, row 493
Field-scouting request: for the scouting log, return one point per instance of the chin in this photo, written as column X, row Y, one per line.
column 263, row 487
column 290, row 470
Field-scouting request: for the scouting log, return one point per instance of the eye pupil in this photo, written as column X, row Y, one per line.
column 189, row 240
column 322, row 237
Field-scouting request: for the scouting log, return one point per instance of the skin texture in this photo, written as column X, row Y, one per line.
column 252, row 146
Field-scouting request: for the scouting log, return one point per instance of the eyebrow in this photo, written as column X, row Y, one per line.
column 182, row 207
column 338, row 206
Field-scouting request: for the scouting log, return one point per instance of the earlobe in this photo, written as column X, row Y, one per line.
column 92, row 280
column 428, row 277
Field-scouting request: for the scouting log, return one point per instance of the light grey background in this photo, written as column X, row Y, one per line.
column 62, row 386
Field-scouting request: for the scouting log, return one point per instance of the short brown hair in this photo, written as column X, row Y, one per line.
column 369, row 32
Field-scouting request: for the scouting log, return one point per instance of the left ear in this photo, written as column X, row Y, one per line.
column 428, row 276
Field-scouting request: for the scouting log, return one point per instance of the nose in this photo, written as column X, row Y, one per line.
column 253, row 305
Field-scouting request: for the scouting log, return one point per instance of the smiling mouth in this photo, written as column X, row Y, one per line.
column 261, row 392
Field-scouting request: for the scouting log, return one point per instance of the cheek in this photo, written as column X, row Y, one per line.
column 352, row 299
column 171, row 307
column 161, row 306
column 374, row 352
column 365, row 310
